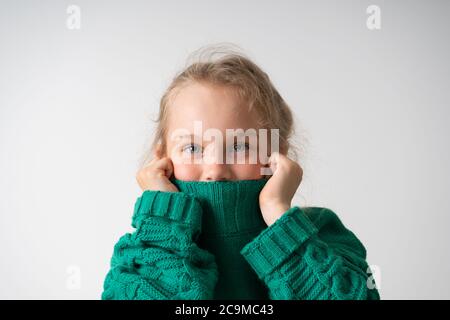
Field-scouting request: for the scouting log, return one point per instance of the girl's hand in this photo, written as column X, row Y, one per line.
column 276, row 196
column 155, row 176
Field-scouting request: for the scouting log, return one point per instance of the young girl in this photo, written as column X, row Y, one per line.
column 207, row 228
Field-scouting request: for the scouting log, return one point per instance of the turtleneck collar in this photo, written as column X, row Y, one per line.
column 229, row 207
column 231, row 218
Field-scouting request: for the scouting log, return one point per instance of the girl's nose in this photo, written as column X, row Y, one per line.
column 216, row 172
column 214, row 164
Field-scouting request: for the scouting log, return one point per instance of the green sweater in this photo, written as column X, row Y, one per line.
column 209, row 241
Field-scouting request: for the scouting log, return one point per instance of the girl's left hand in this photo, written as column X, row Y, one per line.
column 276, row 196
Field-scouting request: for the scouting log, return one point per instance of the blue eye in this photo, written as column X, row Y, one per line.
column 191, row 148
column 240, row 147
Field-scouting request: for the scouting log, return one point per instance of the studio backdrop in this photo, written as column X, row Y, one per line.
column 80, row 85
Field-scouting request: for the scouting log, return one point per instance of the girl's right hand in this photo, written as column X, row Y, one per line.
column 155, row 176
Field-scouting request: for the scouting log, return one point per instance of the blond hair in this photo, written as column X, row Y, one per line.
column 224, row 66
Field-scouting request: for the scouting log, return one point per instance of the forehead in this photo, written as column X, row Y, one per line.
column 215, row 106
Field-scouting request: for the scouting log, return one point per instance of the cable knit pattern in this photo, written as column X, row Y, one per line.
column 308, row 254
column 209, row 241
column 161, row 260
column 231, row 219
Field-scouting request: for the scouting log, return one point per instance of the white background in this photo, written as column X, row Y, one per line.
column 76, row 109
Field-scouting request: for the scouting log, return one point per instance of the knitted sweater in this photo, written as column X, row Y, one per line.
column 209, row 241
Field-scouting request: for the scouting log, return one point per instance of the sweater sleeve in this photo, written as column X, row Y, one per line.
column 160, row 260
column 315, row 258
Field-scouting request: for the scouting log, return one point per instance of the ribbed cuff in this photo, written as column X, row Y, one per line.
column 275, row 243
column 175, row 206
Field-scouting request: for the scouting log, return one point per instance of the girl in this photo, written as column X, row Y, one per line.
column 207, row 228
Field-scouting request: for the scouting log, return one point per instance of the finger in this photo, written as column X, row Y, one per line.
column 152, row 162
column 274, row 157
column 169, row 168
column 158, row 151
column 164, row 164
column 274, row 160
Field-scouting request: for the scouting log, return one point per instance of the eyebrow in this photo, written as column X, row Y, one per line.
column 186, row 136
column 193, row 135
